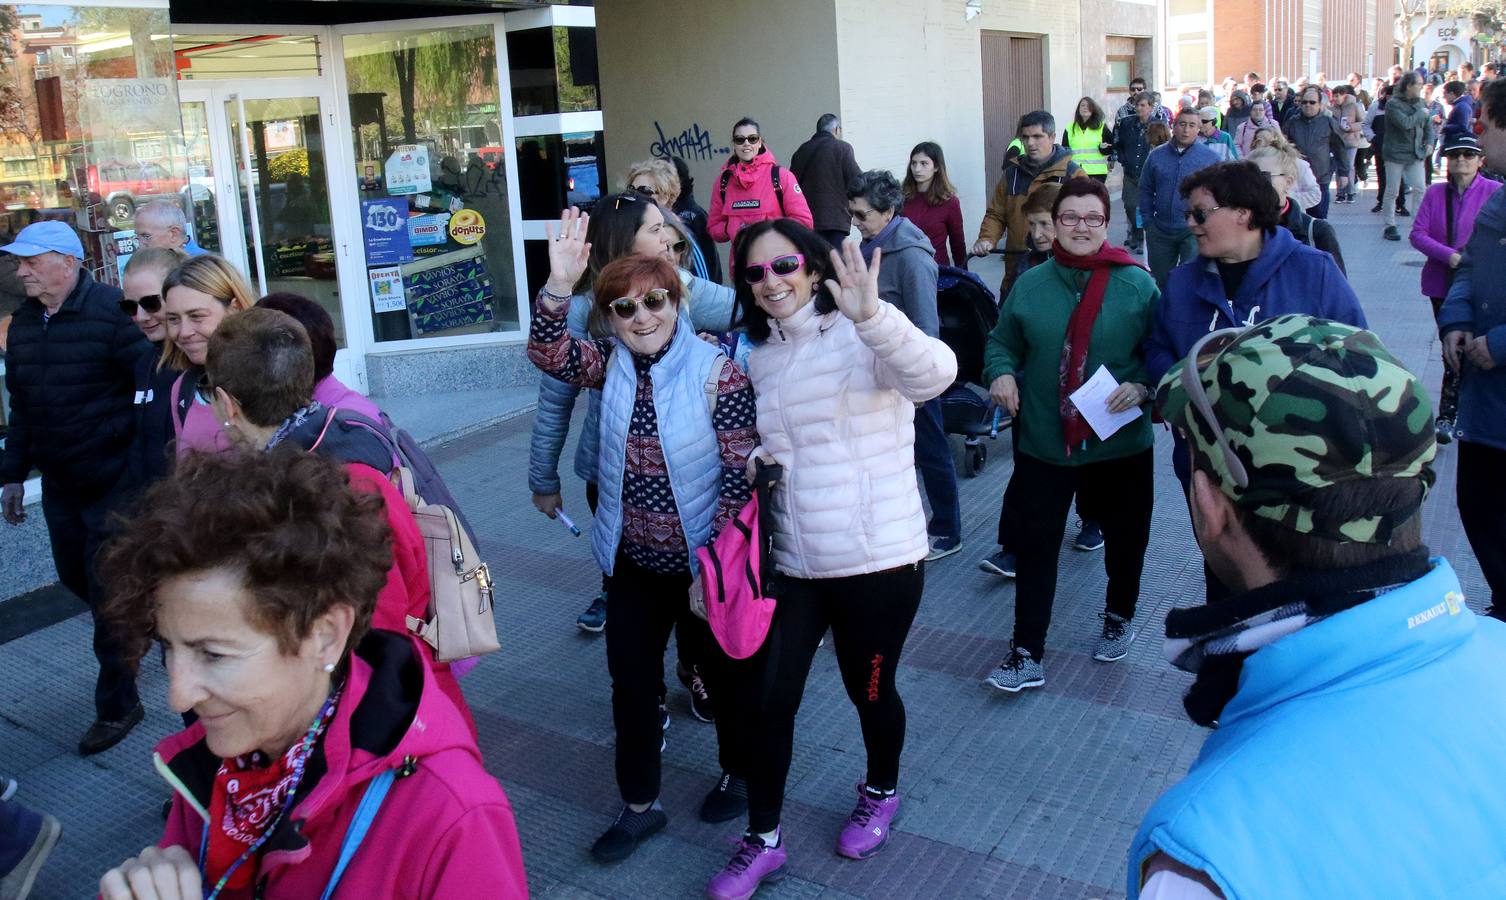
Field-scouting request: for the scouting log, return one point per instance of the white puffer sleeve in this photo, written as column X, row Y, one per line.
column 905, row 358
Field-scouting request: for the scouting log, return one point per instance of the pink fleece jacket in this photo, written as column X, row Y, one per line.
column 445, row 830
column 750, row 197
column 1430, row 228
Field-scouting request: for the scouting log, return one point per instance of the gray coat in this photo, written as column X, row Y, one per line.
column 907, row 275
column 710, row 308
column 1409, row 131
column 1319, row 139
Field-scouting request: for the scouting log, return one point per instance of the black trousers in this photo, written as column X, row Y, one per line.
column 1007, row 541
column 642, row 608
column 593, row 493
column 1121, row 492
column 1481, row 495
column 869, row 617
column 77, row 528
column 1448, row 394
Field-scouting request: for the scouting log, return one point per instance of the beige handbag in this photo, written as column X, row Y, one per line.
column 460, row 622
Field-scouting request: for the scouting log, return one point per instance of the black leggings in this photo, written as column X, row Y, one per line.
column 593, row 493
column 1481, row 495
column 642, row 608
column 869, row 617
column 1122, row 492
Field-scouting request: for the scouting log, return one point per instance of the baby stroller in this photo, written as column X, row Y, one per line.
column 968, row 312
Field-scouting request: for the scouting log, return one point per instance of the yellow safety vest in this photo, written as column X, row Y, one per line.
column 1084, row 143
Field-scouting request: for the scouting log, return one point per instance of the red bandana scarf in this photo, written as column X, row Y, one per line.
column 1080, row 332
column 249, row 792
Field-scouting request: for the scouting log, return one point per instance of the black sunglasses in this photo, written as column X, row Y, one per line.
column 626, row 197
column 779, row 265
column 1465, row 154
column 1198, row 215
column 679, row 246
column 644, row 189
column 745, row 139
column 653, row 301
column 149, row 302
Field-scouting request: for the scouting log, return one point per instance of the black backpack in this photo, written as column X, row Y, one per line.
column 773, row 177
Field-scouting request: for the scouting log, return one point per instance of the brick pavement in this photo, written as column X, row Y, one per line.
column 1030, row 796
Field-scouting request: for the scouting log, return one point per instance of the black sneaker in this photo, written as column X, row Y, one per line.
column 727, row 801
column 1017, row 672
column 1001, row 564
column 1391, row 234
column 1118, row 634
column 1401, row 210
column 103, row 734
column 594, row 619
column 663, row 727
column 700, row 699
column 1090, row 538
column 618, row 842
column 1376, row 208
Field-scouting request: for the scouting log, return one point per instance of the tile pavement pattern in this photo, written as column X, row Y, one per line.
column 1032, row 796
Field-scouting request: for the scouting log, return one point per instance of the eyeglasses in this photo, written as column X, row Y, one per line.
column 1209, row 121
column 1203, row 354
column 653, row 301
column 780, row 265
column 861, row 215
column 1199, row 216
column 745, row 139
column 643, row 189
column 152, row 303
column 1092, row 220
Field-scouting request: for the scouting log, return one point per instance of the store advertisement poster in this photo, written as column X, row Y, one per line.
column 387, row 289
column 384, row 226
column 407, row 170
column 431, row 230
column 451, row 295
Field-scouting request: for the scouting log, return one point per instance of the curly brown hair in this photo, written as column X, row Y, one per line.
column 302, row 539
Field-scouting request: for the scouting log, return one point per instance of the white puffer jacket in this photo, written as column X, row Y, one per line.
column 836, row 408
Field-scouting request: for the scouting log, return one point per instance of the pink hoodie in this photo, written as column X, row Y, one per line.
column 445, row 830
column 751, row 198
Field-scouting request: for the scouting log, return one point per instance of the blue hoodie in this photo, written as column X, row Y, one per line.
column 1287, row 277
column 1477, row 303
column 1460, row 119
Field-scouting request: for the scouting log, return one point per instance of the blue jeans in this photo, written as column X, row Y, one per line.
column 18, row 828
column 933, row 457
column 1168, row 249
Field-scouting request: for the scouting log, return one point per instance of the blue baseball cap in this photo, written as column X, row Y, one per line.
column 44, row 237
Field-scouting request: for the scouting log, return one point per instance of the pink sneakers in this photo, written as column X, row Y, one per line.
column 867, row 829
column 752, row 865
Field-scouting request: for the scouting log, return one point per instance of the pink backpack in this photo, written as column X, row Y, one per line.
column 737, row 574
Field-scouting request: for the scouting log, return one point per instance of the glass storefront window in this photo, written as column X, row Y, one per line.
column 553, row 70
column 89, row 127
column 203, row 57
column 560, row 170
column 431, row 174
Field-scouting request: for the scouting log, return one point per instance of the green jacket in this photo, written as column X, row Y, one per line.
column 1028, row 342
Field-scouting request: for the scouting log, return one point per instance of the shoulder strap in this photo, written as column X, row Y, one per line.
column 1312, row 222
column 722, row 186
column 1448, row 206
column 714, row 381
column 778, row 191
column 371, row 801
column 180, row 408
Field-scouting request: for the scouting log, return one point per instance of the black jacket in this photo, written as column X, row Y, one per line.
column 71, row 381
column 1130, row 146
column 694, row 217
column 1315, row 233
column 149, row 457
column 825, row 167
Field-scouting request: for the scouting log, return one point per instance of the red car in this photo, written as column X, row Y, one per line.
column 125, row 184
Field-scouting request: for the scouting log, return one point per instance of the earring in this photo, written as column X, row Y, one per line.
column 329, row 667
column 227, row 424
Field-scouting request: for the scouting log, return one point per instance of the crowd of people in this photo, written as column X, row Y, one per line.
column 220, row 499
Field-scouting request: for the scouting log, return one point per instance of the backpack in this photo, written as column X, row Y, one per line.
column 773, row 178
column 459, row 622
column 737, row 572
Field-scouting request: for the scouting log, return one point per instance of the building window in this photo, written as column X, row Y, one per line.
column 560, row 170
column 1192, row 58
column 1120, row 70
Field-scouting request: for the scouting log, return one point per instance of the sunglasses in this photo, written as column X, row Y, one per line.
column 1463, row 154
column 1092, row 220
column 779, row 265
column 627, row 307
column 1199, row 216
column 1311, row 103
column 152, row 303
column 680, row 245
column 745, row 139
column 1203, row 355
column 627, row 197
column 644, row 189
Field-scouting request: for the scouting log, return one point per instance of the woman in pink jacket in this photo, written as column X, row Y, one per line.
column 753, row 187
column 1441, row 229
column 318, row 738
column 837, row 374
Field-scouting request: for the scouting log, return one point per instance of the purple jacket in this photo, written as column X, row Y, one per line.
column 1430, row 229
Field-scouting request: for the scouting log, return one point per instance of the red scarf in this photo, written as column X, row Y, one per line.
column 249, row 792
column 1080, row 332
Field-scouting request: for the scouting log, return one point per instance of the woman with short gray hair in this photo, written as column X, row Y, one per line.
column 907, row 279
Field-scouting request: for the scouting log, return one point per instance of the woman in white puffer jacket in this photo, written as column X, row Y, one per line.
column 837, row 374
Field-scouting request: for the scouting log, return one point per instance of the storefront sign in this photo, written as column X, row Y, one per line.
column 429, row 230
column 450, row 295
column 387, row 289
column 407, row 170
column 467, row 227
column 129, row 106
column 384, row 225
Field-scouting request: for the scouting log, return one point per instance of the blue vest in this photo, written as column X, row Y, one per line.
column 688, row 439
column 1361, row 757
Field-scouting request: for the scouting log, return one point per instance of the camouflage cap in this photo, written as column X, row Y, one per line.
column 1305, row 404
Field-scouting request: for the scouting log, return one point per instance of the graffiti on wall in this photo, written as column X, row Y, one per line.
column 692, row 143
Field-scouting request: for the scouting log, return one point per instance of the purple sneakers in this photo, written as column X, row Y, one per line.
column 752, row 865
column 867, row 829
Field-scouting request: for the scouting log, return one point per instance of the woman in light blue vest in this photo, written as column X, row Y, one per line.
column 677, row 424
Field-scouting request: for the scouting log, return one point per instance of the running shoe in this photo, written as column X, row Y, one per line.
column 1000, row 564
column 1089, row 537
column 630, row 828
column 1118, row 634
column 867, row 828
column 700, row 698
column 594, row 619
column 1017, row 672
column 753, row 864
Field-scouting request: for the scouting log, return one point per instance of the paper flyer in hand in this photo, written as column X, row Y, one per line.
column 1092, row 400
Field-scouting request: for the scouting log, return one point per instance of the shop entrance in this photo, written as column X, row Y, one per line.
column 260, row 154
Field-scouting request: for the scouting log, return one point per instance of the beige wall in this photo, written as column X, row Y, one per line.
column 1120, row 18
column 911, row 70
column 678, row 66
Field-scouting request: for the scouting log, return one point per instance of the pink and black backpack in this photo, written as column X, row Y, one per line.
column 737, row 573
